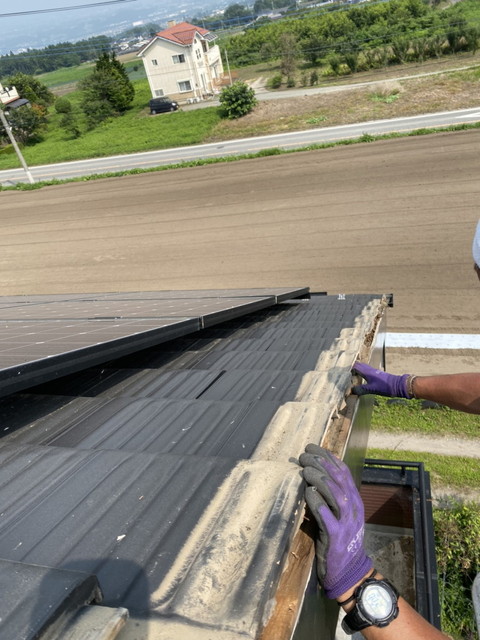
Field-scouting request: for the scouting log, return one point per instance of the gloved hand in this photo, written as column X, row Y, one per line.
column 338, row 509
column 380, row 382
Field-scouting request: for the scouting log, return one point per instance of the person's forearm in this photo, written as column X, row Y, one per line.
column 458, row 390
column 409, row 625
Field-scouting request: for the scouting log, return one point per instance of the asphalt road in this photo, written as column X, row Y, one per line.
column 395, row 216
column 292, row 140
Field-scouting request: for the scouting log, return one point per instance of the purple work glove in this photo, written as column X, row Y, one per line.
column 380, row 382
column 338, row 509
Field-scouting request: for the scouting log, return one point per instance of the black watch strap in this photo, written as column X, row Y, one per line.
column 358, row 618
column 353, row 622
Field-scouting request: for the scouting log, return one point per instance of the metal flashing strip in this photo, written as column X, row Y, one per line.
column 433, row 340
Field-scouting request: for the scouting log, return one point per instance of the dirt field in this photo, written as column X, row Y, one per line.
column 393, row 216
column 416, row 96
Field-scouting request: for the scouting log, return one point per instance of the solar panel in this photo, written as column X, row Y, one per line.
column 43, row 337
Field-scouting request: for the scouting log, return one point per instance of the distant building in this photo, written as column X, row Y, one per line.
column 8, row 94
column 181, row 62
column 9, row 98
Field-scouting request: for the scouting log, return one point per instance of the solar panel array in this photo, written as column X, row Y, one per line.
column 43, row 337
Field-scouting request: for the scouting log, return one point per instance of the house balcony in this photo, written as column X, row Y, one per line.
column 213, row 56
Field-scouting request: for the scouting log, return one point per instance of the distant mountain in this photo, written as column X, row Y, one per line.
column 40, row 30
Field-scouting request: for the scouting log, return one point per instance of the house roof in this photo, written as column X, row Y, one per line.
column 182, row 33
column 159, row 470
column 15, row 103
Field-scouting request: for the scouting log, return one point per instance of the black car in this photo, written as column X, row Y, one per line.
column 160, row 105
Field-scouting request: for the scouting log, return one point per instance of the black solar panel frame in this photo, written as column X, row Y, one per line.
column 32, row 326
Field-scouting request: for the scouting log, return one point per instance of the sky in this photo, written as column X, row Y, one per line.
column 96, row 16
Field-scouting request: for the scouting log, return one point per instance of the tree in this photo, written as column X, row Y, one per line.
column 69, row 122
column 96, row 110
column 121, row 90
column 31, row 89
column 235, row 11
column 313, row 48
column 26, row 122
column 237, row 100
column 63, row 105
column 288, row 52
column 107, row 91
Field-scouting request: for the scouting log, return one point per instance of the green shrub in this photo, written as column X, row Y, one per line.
column 351, row 60
column 275, row 82
column 290, row 82
column 457, row 540
column 8, row 150
column 63, row 105
column 237, row 100
column 335, row 63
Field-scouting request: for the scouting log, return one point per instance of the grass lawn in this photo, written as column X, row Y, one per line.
column 135, row 131
column 445, row 471
column 411, row 418
column 65, row 76
column 69, row 76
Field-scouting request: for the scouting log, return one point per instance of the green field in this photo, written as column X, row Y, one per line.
column 135, row 131
column 411, row 418
column 67, row 77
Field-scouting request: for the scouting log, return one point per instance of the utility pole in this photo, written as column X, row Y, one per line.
column 228, row 67
column 8, row 129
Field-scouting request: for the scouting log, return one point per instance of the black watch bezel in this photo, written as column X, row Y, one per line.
column 357, row 618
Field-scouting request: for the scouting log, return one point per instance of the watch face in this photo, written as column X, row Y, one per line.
column 377, row 602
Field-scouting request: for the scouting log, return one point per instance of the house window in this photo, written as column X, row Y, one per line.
column 199, row 54
column 155, row 63
column 159, row 93
column 185, row 85
column 178, row 59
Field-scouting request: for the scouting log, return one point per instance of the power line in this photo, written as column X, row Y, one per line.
column 56, row 9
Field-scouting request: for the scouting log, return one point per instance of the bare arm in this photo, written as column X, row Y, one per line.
column 409, row 625
column 458, row 390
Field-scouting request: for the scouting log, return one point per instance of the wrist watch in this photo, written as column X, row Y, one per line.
column 376, row 605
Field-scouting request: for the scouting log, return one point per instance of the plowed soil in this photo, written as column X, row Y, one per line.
column 393, row 216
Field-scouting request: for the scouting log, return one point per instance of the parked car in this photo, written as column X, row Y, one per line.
column 160, row 105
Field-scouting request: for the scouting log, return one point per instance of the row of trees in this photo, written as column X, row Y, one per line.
column 55, row 56
column 106, row 92
column 372, row 35
column 237, row 14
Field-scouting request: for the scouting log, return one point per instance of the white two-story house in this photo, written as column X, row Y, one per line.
column 181, row 62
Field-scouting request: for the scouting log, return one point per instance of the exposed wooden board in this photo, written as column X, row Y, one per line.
column 289, row 598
